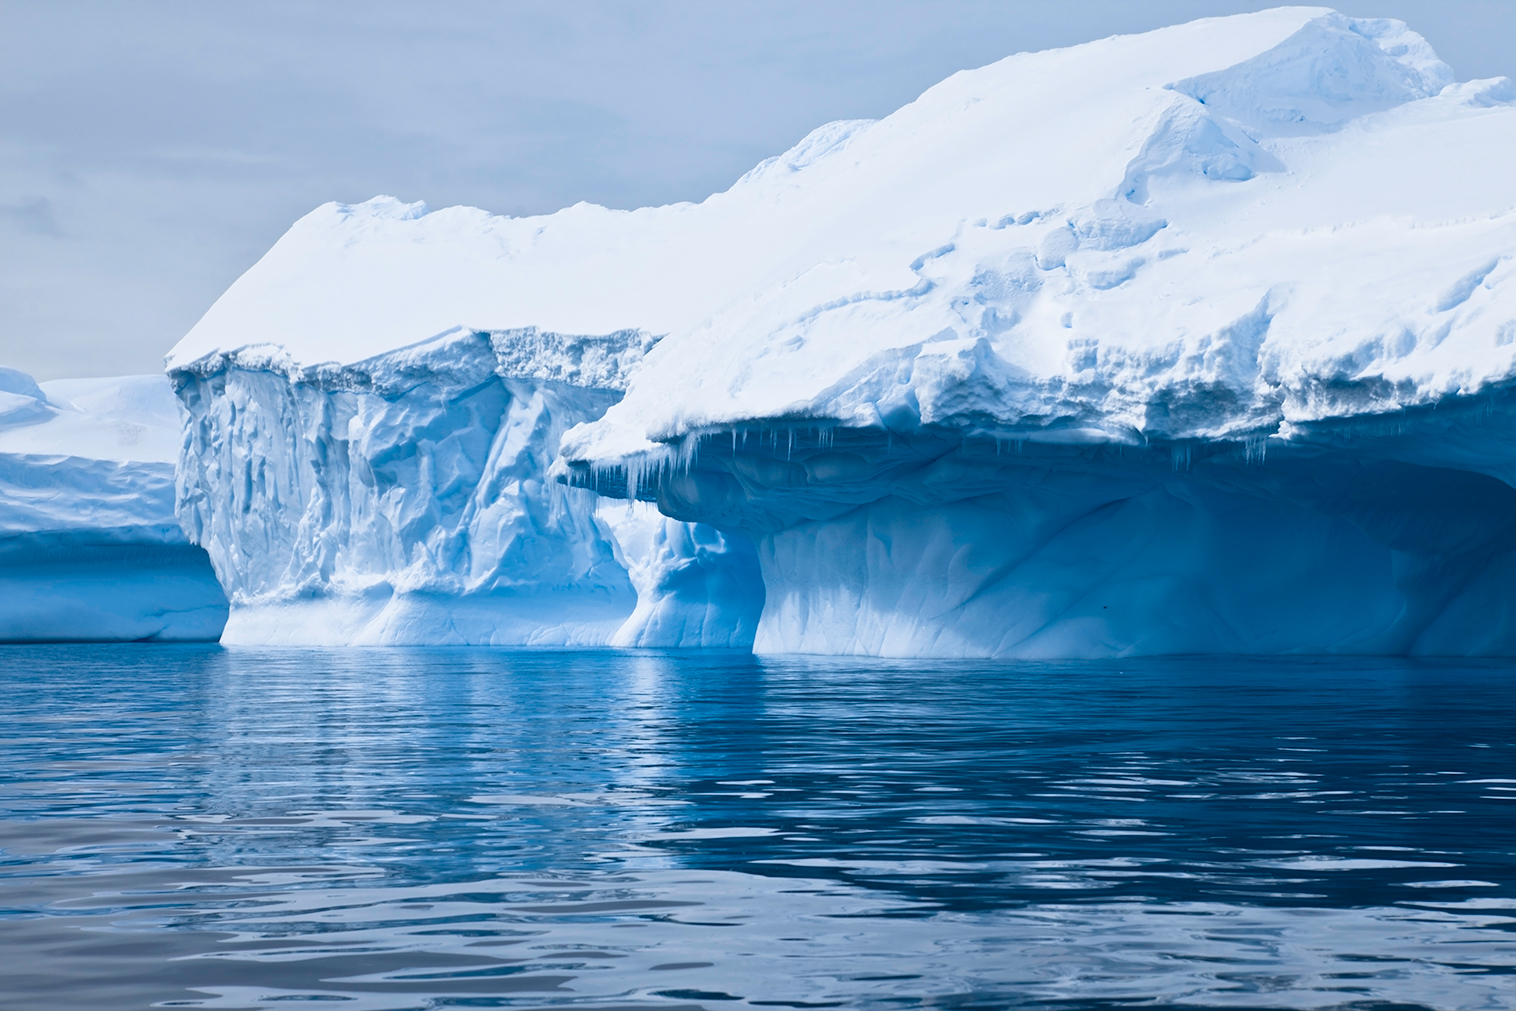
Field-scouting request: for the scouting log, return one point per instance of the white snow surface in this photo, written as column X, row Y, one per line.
column 89, row 544
column 124, row 418
column 1218, row 228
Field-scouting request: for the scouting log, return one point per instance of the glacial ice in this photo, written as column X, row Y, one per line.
column 89, row 545
column 1200, row 340
column 404, row 499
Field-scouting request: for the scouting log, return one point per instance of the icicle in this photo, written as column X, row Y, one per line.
column 1179, row 456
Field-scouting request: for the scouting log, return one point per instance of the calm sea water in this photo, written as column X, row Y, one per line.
column 219, row 828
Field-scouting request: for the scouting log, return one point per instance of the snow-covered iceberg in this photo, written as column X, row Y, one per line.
column 89, row 545
column 1194, row 341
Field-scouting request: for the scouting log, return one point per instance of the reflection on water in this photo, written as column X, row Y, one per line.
column 189, row 827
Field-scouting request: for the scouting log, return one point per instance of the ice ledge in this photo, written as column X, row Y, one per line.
column 458, row 358
column 962, row 389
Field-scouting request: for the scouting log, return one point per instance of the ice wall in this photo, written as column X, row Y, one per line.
column 404, row 500
column 89, row 546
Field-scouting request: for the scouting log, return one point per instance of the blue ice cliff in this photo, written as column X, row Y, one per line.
column 90, row 548
column 1201, row 340
column 405, row 499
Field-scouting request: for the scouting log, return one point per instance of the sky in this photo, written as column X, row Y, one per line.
column 150, row 152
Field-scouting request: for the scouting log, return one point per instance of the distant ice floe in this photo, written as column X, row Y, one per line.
column 90, row 548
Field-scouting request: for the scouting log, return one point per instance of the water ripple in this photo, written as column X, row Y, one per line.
column 189, row 827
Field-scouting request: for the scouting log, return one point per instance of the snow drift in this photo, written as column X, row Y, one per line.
column 1193, row 341
column 89, row 546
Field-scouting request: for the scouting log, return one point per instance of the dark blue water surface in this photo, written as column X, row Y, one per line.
column 367, row 829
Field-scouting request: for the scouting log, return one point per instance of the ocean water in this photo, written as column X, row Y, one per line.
column 394, row 829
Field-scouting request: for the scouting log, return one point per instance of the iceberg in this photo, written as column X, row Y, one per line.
column 1195, row 341
column 90, row 548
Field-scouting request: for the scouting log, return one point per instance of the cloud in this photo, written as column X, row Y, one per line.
column 33, row 216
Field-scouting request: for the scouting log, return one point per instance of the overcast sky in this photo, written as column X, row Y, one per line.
column 151, row 152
